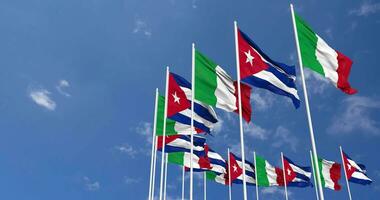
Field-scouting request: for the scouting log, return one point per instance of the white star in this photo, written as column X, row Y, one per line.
column 249, row 57
column 289, row 172
column 176, row 98
column 235, row 168
column 349, row 166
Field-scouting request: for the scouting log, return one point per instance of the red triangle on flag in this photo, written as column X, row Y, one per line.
column 233, row 168
column 177, row 100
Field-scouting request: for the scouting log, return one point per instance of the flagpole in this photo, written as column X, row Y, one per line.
column 313, row 145
column 153, row 146
column 154, row 166
column 183, row 182
column 164, row 132
column 229, row 176
column 204, row 186
column 315, row 180
column 283, row 169
column 240, row 111
column 166, row 174
column 257, row 181
column 192, row 118
column 345, row 173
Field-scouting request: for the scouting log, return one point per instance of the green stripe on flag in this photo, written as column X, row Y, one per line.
column 176, row 158
column 160, row 119
column 262, row 176
column 320, row 166
column 205, row 79
column 308, row 44
column 210, row 175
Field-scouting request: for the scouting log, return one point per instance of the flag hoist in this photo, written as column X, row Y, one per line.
column 154, row 151
column 240, row 111
column 164, row 133
column 313, row 145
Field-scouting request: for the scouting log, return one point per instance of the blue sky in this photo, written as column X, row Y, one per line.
column 77, row 88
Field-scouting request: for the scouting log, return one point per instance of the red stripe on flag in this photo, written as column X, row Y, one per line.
column 245, row 99
column 344, row 68
column 335, row 175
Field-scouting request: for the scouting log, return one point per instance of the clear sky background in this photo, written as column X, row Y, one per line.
column 77, row 88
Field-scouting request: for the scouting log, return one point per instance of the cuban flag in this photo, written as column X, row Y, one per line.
column 249, row 171
column 296, row 176
column 217, row 163
column 204, row 115
column 355, row 173
column 258, row 70
column 182, row 143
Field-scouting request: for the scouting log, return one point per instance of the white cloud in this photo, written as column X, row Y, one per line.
column 41, row 97
column 62, row 84
column 218, row 126
column 126, row 149
column 145, row 129
column 262, row 100
column 274, row 191
column 142, row 27
column 91, row 185
column 366, row 8
column 316, row 83
column 283, row 137
column 356, row 115
column 255, row 131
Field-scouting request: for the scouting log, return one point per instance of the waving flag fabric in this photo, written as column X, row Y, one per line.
column 318, row 56
column 215, row 87
column 204, row 115
column 181, row 143
column 249, row 171
column 356, row 173
column 296, row 175
column 258, row 70
column 267, row 175
column 330, row 174
column 183, row 159
column 172, row 127
column 219, row 178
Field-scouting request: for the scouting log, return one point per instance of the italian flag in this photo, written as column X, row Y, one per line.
column 172, row 127
column 318, row 56
column 330, row 174
column 183, row 159
column 219, row 178
column 213, row 85
column 267, row 175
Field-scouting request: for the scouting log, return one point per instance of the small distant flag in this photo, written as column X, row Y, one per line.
column 318, row 56
column 179, row 105
column 258, row 70
column 296, row 175
column 268, row 175
column 356, row 173
column 181, row 143
column 249, row 171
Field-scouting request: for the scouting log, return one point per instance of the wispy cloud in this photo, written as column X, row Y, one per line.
column 127, row 149
column 274, row 191
column 130, row 180
column 366, row 8
column 283, row 137
column 42, row 98
column 91, row 185
column 142, row 27
column 145, row 129
column 262, row 100
column 356, row 115
column 256, row 131
column 317, row 84
column 62, row 85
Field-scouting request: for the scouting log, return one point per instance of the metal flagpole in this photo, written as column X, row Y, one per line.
column 166, row 174
column 283, row 171
column 315, row 180
column 163, row 133
column 229, row 176
column 183, row 182
column 154, row 167
column 257, row 181
column 345, row 173
column 204, row 186
column 192, row 118
column 314, row 148
column 153, row 147
column 240, row 111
